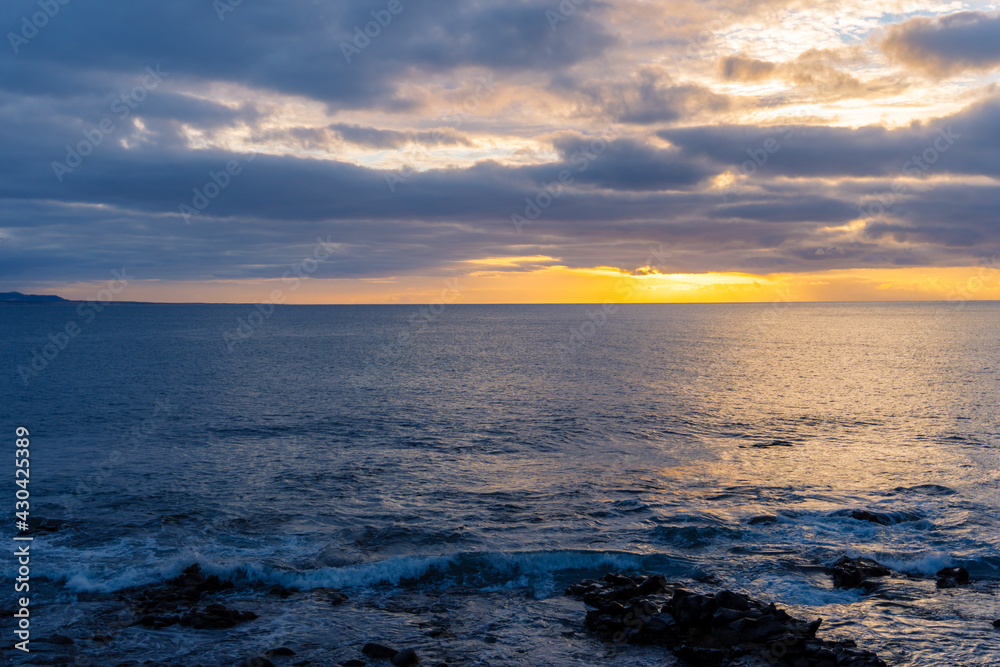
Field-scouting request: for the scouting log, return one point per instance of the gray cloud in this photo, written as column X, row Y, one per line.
column 946, row 44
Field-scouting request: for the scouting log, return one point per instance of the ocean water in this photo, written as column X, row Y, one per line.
column 452, row 470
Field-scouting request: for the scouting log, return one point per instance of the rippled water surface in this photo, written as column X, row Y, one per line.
column 397, row 455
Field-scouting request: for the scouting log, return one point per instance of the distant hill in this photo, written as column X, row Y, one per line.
column 17, row 297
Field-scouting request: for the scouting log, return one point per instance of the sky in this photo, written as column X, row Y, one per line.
column 408, row 151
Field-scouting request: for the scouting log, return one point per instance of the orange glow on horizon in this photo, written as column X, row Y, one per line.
column 560, row 284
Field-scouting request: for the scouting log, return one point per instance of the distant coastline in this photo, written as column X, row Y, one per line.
column 17, row 297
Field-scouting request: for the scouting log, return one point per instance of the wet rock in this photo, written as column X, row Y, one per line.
column 996, row 623
column 177, row 601
column 773, row 443
column 157, row 622
column 216, row 616
column 884, row 518
column 256, row 661
column 282, row 591
column 331, row 595
column 280, row 651
column 720, row 629
column 952, row 577
column 378, row 651
column 405, row 658
column 852, row 572
column 763, row 520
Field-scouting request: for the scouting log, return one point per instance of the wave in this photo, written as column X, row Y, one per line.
column 482, row 570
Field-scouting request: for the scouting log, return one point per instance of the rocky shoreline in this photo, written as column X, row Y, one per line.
column 714, row 629
column 693, row 623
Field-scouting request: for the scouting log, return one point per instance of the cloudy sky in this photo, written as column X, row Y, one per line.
column 520, row 150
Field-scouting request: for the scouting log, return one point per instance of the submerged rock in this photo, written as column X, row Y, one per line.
column 773, row 443
column 282, row 591
column 952, row 577
column 215, row 617
column 720, row 629
column 177, row 602
column 405, row 658
column 331, row 595
column 379, row 651
column 853, row 572
column 885, row 518
column 256, row 661
column 763, row 519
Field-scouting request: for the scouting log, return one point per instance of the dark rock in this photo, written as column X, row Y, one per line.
column 157, row 622
column 378, row 651
column 719, row 629
column 405, row 658
column 763, row 520
column 177, row 601
column 773, row 443
column 216, row 617
column 996, row 623
column 280, row 651
column 852, row 572
column 353, row 663
column 331, row 595
column 282, row 591
column 256, row 661
column 883, row 518
column 952, row 577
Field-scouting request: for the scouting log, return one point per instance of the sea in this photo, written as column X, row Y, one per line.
column 453, row 468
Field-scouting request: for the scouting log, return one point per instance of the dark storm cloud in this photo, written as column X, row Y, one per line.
column 946, row 44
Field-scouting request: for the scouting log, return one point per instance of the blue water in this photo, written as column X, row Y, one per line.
column 400, row 453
